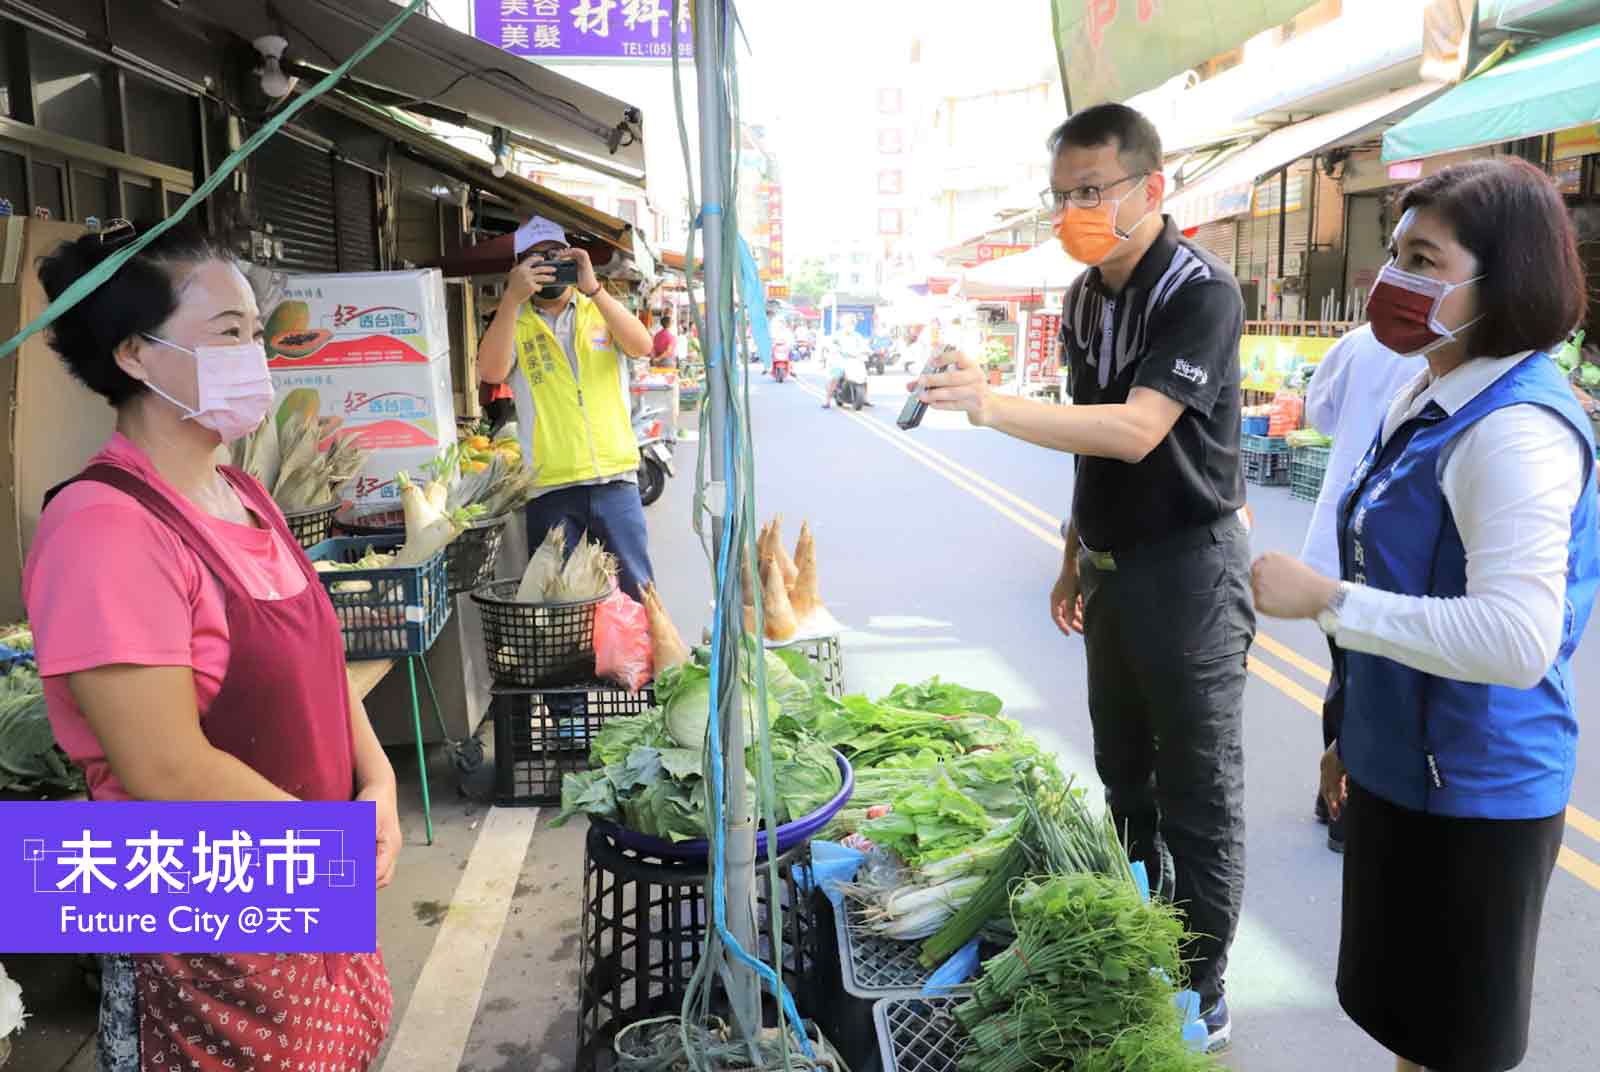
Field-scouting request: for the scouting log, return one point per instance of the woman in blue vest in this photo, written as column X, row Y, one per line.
column 1470, row 555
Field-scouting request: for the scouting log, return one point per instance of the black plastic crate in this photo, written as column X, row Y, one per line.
column 643, row 925
column 472, row 557
column 311, row 527
column 384, row 613
column 536, row 645
column 541, row 736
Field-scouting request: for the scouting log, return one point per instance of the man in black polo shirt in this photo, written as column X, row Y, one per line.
column 1157, row 566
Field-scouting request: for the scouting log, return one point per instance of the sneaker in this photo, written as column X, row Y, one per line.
column 1321, row 809
column 1336, row 835
column 1219, row 1026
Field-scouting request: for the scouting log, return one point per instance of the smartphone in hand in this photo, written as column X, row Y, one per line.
column 566, row 272
column 915, row 409
column 911, row 413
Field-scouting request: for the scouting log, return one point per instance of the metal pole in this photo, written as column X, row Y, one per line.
column 1283, row 230
column 1311, row 243
column 710, row 25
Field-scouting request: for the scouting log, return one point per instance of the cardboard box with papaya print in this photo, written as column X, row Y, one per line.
column 374, row 491
column 359, row 319
column 388, row 405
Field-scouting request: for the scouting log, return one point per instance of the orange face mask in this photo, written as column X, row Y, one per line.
column 1090, row 235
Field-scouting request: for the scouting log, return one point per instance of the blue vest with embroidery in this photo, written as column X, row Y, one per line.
column 1435, row 744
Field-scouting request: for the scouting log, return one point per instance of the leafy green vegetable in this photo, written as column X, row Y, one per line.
column 619, row 736
column 684, row 693
column 929, row 822
column 648, row 784
column 945, row 699
column 805, row 772
column 29, row 756
column 869, row 734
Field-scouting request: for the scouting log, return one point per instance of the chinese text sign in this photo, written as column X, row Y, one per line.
column 145, row 877
column 584, row 29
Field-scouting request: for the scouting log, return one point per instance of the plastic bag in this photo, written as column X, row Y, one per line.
column 622, row 642
column 1288, row 410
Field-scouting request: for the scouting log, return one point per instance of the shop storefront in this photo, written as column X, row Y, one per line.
column 1274, row 210
column 1543, row 104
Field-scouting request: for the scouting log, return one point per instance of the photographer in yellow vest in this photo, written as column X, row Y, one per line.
column 564, row 349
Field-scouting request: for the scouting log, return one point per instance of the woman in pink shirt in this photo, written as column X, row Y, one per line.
column 188, row 651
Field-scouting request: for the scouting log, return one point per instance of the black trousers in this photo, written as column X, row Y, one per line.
column 1167, row 632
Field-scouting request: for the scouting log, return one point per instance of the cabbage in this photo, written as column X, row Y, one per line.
column 684, row 694
column 805, row 773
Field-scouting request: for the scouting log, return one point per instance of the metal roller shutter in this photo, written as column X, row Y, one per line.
column 1219, row 238
column 293, row 191
column 356, row 212
column 1262, row 232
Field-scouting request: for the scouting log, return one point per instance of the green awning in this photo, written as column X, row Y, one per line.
column 1553, row 86
column 1110, row 51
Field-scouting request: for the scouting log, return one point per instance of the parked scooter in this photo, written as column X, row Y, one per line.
column 780, row 362
column 655, row 455
column 851, row 390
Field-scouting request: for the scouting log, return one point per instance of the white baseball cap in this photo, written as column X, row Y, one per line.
column 537, row 230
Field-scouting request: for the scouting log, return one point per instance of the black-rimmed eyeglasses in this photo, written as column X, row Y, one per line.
column 1084, row 196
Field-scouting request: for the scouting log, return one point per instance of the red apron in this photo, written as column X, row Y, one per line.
column 283, row 710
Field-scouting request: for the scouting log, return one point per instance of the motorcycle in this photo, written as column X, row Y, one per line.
column 780, row 362
column 881, row 357
column 655, row 455
column 801, row 351
column 851, row 390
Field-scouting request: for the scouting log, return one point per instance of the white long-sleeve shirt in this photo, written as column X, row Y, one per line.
column 1347, row 399
column 1511, row 482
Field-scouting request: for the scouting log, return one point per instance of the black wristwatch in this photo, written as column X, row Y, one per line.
column 591, row 295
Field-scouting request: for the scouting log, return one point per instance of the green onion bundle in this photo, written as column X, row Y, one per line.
column 1058, row 835
column 1088, row 984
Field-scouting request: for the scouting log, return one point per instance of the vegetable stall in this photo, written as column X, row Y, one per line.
column 959, row 852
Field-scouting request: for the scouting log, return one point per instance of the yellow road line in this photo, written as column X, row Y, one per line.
column 1585, row 824
column 1584, row 869
column 1051, row 536
column 1580, row 867
column 1288, row 686
column 1313, row 670
column 1053, row 520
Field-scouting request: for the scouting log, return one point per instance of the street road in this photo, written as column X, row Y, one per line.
column 937, row 548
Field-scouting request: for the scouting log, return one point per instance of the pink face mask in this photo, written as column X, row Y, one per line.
column 233, row 385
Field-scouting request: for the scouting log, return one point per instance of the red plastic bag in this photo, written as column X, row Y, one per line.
column 622, row 642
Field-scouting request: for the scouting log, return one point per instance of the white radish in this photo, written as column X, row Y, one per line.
column 428, row 530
